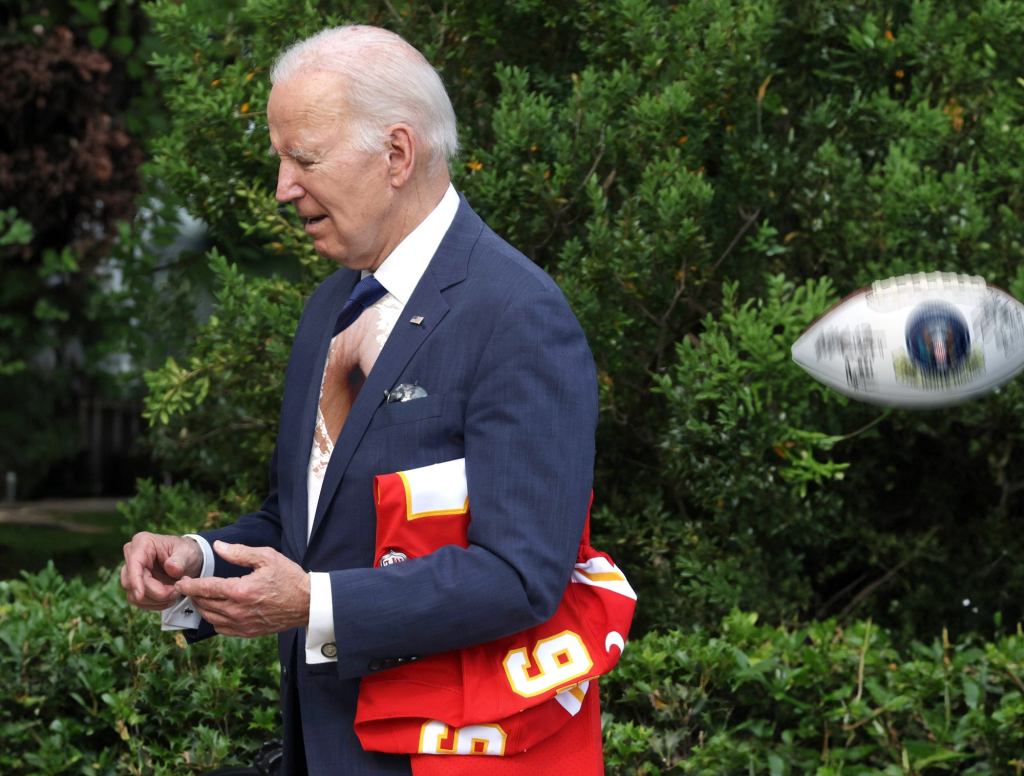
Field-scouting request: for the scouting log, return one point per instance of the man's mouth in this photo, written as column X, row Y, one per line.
column 313, row 220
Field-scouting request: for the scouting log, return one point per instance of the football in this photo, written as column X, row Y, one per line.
column 917, row 341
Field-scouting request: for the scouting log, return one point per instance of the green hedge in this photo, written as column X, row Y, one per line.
column 824, row 699
column 94, row 687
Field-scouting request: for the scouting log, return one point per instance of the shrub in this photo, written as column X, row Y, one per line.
column 823, row 698
column 94, row 687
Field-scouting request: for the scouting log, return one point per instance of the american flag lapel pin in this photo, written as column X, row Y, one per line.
column 416, row 320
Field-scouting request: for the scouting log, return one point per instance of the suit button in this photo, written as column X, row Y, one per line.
column 329, row 650
column 375, row 665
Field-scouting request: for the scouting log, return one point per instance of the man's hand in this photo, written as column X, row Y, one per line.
column 153, row 563
column 273, row 598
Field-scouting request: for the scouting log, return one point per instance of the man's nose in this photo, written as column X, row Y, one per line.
column 288, row 188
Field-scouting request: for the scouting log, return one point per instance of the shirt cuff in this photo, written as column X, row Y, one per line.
column 320, row 646
column 182, row 615
column 207, row 555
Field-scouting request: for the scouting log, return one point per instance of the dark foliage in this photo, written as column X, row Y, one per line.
column 68, row 178
column 66, row 163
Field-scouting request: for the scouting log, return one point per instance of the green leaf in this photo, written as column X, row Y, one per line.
column 972, row 692
column 14, row 230
column 90, row 10
column 98, row 36
column 46, row 310
column 122, row 45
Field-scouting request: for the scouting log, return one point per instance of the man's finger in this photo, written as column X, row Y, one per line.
column 240, row 554
column 211, row 610
column 129, row 574
column 129, row 590
column 157, row 591
column 136, row 583
column 175, row 564
column 223, row 620
column 186, row 559
column 210, row 588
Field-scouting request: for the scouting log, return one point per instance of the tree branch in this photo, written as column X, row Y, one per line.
column 866, row 593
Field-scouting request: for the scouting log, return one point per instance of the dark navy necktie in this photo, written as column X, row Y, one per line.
column 367, row 291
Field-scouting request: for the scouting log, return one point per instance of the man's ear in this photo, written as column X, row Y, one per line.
column 401, row 154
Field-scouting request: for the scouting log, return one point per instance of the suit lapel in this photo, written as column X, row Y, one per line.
column 323, row 323
column 403, row 342
column 427, row 302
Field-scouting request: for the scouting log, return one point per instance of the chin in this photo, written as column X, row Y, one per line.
column 330, row 249
column 342, row 259
column 332, row 252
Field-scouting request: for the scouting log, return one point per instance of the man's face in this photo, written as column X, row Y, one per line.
column 342, row 194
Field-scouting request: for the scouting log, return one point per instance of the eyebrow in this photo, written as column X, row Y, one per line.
column 298, row 154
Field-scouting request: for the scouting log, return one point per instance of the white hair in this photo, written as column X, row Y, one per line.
column 386, row 82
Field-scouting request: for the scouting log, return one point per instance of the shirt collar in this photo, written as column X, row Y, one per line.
column 401, row 271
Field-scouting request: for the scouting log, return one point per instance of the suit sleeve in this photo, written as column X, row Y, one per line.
column 256, row 529
column 529, row 427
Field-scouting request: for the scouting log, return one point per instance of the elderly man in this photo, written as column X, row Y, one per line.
column 435, row 341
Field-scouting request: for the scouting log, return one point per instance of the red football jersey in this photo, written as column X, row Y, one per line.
column 575, row 751
column 508, row 696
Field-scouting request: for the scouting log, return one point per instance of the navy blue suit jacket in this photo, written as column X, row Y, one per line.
column 511, row 387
